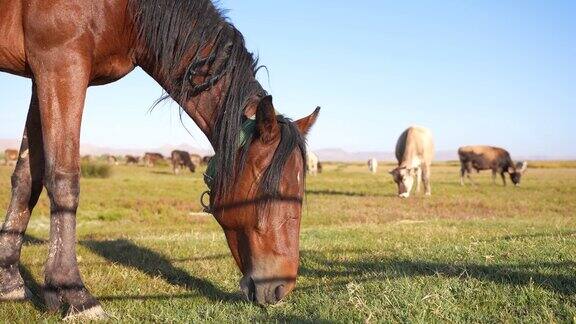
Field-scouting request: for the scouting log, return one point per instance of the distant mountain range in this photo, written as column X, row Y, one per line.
column 332, row 155
column 341, row 155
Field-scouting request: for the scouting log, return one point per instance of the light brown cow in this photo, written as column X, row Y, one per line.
column 373, row 165
column 11, row 156
column 196, row 160
column 415, row 152
column 312, row 163
column 111, row 159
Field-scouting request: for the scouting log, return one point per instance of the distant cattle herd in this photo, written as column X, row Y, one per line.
column 178, row 159
column 414, row 152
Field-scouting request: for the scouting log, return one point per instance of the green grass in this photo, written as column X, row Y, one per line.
column 95, row 170
column 466, row 254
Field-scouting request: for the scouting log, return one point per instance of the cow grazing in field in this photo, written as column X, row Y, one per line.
column 312, row 163
column 132, row 160
column 206, row 159
column 196, row 160
column 111, row 159
column 151, row 159
column 481, row 157
column 373, row 165
column 415, row 152
column 181, row 159
column 11, row 156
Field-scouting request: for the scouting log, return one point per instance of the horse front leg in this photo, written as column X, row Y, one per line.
column 426, row 179
column 26, row 188
column 61, row 92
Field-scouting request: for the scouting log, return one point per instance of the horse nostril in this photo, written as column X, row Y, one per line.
column 251, row 290
column 279, row 292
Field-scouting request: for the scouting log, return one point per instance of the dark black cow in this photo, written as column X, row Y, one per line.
column 490, row 158
column 181, row 159
column 131, row 159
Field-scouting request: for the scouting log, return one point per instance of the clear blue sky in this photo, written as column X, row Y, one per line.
column 494, row 72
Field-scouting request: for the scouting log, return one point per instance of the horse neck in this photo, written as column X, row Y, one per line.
column 203, row 115
column 236, row 93
column 168, row 39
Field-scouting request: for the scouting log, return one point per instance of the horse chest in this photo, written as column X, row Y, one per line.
column 111, row 69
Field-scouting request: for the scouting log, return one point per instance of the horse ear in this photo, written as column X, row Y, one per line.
column 266, row 122
column 306, row 123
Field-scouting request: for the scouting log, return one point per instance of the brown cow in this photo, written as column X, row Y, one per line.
column 206, row 159
column 181, row 159
column 489, row 158
column 11, row 156
column 151, row 159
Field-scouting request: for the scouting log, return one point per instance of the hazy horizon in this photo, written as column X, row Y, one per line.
column 492, row 73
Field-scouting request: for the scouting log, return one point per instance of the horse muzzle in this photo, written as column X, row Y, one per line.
column 265, row 291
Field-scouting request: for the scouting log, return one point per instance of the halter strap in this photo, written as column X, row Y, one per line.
column 246, row 132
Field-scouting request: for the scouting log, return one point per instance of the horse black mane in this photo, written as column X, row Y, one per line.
column 175, row 32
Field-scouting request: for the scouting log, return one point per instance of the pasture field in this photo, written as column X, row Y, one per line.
column 466, row 254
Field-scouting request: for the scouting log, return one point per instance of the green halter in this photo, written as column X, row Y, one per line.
column 246, row 133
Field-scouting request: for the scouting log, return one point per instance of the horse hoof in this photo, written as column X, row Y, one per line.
column 18, row 294
column 94, row 313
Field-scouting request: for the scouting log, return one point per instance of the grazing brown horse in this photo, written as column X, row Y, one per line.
column 201, row 61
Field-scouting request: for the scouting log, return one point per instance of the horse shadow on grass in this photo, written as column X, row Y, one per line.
column 31, row 240
column 153, row 264
column 367, row 268
column 330, row 192
column 535, row 235
column 128, row 254
column 34, row 287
